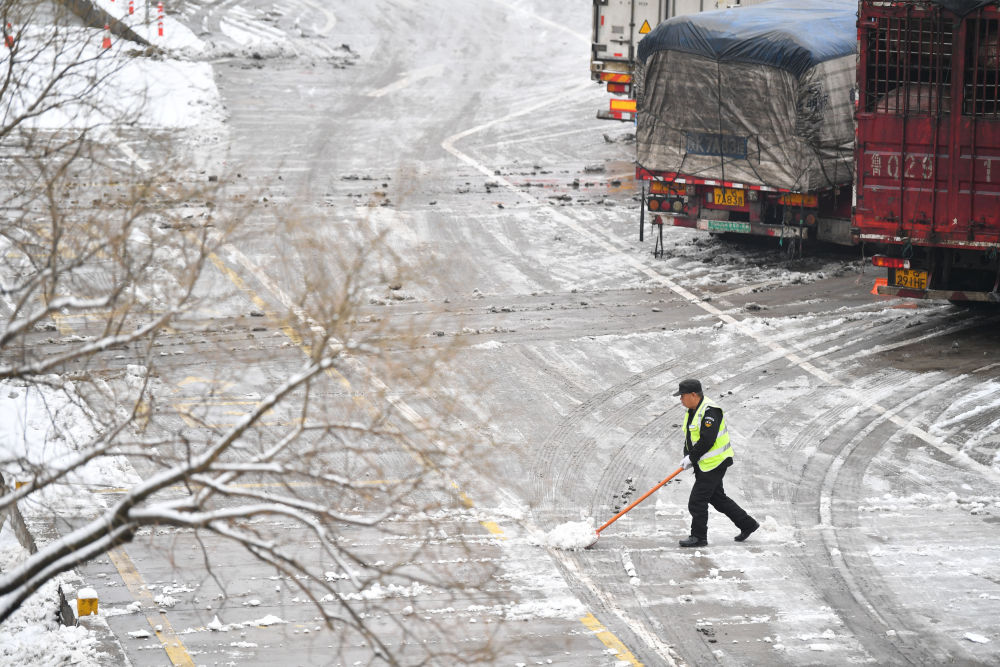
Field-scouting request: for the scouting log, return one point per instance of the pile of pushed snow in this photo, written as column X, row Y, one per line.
column 572, row 535
column 772, row 531
column 33, row 635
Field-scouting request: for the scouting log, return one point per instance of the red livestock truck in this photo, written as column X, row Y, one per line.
column 928, row 146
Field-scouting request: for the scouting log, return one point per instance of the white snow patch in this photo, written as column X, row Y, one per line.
column 165, row 600
column 268, row 620
column 379, row 592
column 977, row 638
column 630, row 569
column 563, row 606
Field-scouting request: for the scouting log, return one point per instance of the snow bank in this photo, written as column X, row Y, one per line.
column 33, row 635
column 160, row 94
column 176, row 36
column 42, row 427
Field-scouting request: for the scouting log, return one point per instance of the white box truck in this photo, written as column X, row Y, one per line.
column 618, row 27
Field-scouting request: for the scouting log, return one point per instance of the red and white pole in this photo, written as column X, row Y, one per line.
column 131, row 8
column 106, row 42
column 159, row 15
column 8, row 36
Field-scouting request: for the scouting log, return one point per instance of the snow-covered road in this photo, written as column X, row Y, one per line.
column 865, row 429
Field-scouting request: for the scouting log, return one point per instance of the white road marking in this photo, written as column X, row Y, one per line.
column 535, row 18
column 331, row 20
column 409, row 78
column 132, row 155
column 534, row 138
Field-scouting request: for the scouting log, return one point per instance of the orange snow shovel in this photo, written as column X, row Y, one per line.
column 597, row 535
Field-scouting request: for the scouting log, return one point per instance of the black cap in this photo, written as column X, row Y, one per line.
column 688, row 387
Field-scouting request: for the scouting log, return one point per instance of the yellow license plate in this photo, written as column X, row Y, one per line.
column 728, row 197
column 795, row 199
column 911, row 278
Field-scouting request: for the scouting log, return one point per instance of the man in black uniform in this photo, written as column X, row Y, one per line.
column 707, row 449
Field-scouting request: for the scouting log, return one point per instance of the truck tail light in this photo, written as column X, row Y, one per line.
column 890, row 262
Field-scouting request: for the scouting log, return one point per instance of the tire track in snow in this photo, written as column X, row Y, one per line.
column 561, row 449
column 244, row 28
column 831, row 493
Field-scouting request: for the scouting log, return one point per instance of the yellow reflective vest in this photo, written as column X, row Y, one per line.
column 722, row 449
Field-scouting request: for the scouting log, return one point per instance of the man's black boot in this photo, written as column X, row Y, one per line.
column 692, row 541
column 746, row 529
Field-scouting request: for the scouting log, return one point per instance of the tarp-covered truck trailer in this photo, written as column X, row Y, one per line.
column 928, row 146
column 745, row 120
column 617, row 28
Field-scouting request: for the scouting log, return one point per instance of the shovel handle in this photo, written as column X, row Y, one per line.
column 639, row 500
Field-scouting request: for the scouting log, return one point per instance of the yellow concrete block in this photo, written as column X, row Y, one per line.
column 18, row 485
column 86, row 602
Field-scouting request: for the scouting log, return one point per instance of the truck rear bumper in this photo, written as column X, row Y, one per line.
column 736, row 227
column 908, row 293
column 752, row 228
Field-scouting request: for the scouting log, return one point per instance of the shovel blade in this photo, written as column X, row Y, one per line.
column 597, row 536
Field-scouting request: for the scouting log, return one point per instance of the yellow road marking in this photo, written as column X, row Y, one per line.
column 237, row 280
column 137, row 587
column 608, row 639
column 293, row 335
column 194, row 379
column 183, row 409
column 61, row 325
column 494, row 529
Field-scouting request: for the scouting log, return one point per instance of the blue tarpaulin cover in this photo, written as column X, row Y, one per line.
column 793, row 35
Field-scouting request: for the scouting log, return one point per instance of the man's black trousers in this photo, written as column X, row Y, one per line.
column 707, row 490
